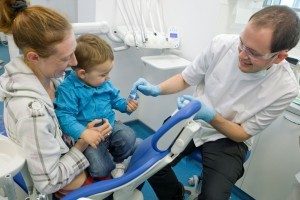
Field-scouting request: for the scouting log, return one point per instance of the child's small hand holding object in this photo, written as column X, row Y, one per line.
column 132, row 105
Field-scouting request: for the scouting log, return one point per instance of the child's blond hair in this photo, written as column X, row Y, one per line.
column 91, row 50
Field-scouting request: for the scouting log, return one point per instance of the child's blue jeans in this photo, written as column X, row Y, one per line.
column 115, row 149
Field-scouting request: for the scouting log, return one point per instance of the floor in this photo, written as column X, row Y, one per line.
column 184, row 169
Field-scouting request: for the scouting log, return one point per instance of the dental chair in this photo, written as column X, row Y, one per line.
column 151, row 155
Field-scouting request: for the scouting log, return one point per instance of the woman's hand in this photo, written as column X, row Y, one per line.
column 81, row 145
column 93, row 135
column 104, row 130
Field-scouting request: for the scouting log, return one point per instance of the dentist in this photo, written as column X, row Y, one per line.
column 243, row 83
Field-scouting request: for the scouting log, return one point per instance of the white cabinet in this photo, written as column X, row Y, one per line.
column 275, row 159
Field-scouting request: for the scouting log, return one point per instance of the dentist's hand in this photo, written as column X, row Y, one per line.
column 146, row 88
column 205, row 113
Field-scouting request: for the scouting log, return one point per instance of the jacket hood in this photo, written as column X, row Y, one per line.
column 18, row 80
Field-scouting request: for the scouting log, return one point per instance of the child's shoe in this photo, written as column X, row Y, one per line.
column 118, row 171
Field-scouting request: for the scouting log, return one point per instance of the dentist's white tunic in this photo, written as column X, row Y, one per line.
column 253, row 100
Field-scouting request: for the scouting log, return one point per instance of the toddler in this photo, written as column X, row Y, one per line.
column 87, row 94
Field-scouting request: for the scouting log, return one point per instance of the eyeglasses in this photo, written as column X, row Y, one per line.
column 254, row 55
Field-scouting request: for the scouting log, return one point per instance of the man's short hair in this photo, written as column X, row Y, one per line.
column 285, row 24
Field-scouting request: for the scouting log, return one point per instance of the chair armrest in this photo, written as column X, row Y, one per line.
column 189, row 110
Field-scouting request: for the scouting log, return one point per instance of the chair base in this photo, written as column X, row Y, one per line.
column 134, row 195
column 194, row 189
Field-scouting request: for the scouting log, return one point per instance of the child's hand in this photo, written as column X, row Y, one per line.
column 132, row 105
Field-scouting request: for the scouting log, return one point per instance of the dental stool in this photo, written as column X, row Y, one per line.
column 150, row 156
column 195, row 182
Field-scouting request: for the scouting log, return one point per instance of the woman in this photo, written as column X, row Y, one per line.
column 28, row 86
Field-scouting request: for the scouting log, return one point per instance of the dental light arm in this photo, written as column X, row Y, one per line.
column 98, row 28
